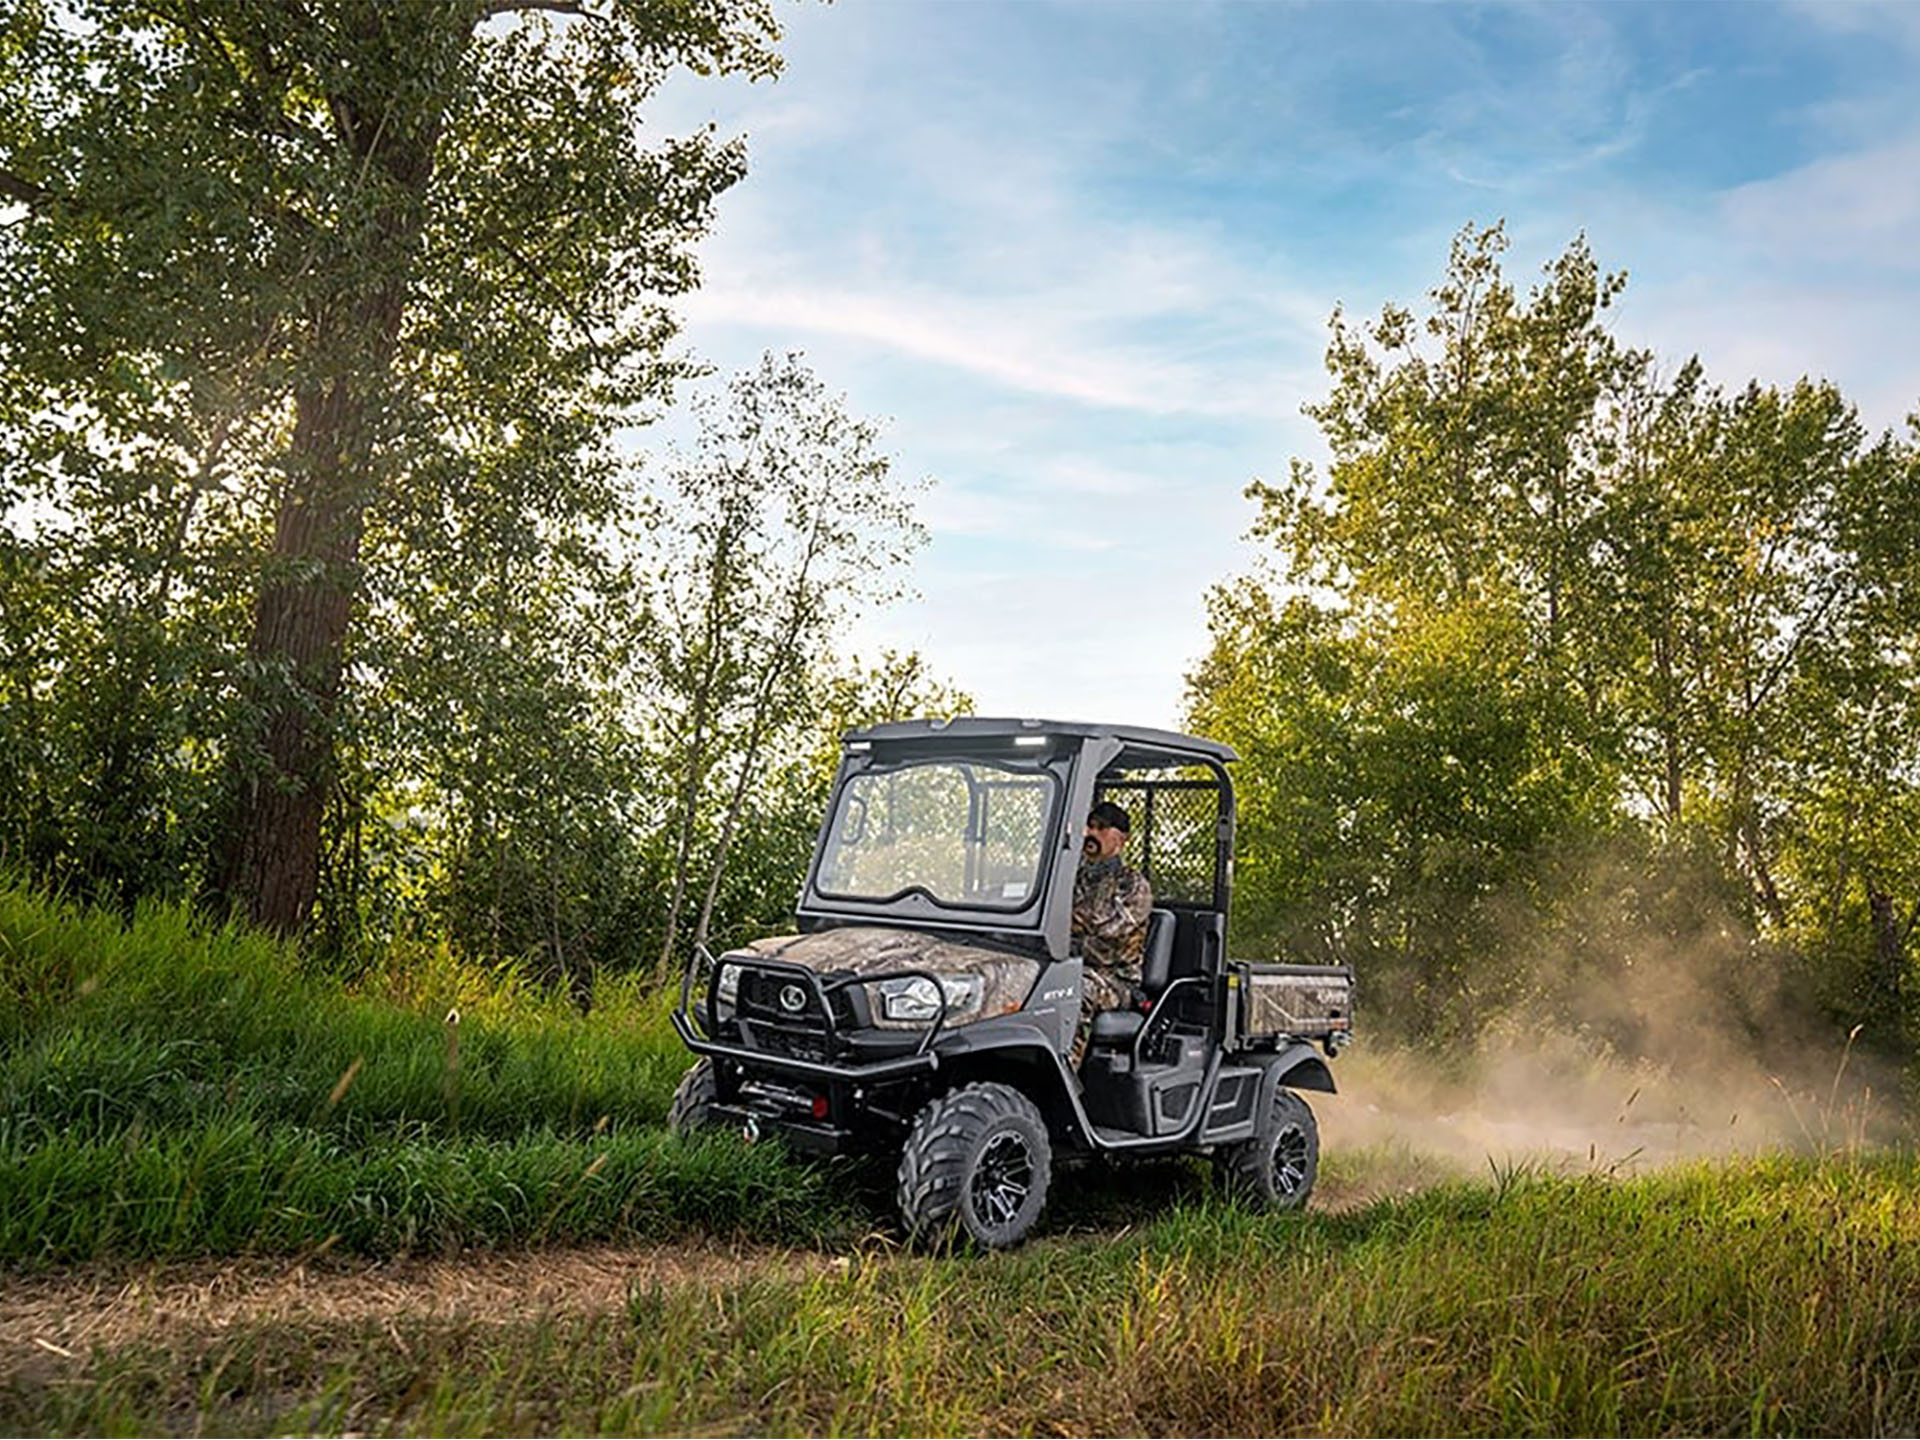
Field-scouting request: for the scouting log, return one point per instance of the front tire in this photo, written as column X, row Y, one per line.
column 693, row 1102
column 1277, row 1167
column 977, row 1161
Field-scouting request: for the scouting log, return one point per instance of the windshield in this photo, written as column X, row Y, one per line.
column 965, row 832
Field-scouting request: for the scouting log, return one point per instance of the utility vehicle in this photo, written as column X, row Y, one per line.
column 927, row 1005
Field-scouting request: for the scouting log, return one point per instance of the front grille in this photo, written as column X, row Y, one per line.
column 773, row 1026
column 796, row 1042
column 760, row 993
column 760, row 997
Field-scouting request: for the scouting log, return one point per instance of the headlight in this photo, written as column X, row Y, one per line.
column 911, row 997
column 963, row 994
column 915, row 997
column 727, row 992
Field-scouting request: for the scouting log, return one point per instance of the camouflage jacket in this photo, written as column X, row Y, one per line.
column 1110, row 906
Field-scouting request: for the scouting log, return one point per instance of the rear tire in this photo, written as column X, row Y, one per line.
column 978, row 1162
column 1276, row 1168
column 693, row 1102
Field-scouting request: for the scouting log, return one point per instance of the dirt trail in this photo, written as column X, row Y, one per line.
column 66, row 1314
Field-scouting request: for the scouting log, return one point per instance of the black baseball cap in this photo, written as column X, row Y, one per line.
column 1110, row 816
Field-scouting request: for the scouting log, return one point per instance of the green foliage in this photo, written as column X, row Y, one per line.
column 1557, row 643
column 330, row 583
column 794, row 526
column 236, row 1186
column 163, row 1024
column 321, row 326
column 170, row 1090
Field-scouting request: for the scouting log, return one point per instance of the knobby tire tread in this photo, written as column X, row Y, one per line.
column 933, row 1160
column 693, row 1099
column 1244, row 1167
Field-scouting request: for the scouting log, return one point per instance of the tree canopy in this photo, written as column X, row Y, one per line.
column 335, row 588
column 291, row 285
column 1565, row 662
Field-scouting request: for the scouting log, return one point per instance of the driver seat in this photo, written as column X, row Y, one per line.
column 1113, row 1028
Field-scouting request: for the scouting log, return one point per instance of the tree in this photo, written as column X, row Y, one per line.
column 280, row 278
column 1575, row 642
column 1399, row 789
column 795, row 524
column 1849, row 835
column 773, row 840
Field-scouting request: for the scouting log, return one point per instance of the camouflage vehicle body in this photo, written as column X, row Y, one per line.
column 927, row 1003
column 872, row 951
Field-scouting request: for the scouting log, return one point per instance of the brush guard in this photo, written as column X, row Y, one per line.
column 803, row 1032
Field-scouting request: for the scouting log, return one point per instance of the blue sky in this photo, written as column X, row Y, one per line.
column 1079, row 257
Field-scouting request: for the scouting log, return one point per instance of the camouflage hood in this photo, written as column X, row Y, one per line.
column 878, row 950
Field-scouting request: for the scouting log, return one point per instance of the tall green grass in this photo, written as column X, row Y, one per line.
column 233, row 1187
column 167, row 1022
column 1770, row 1297
column 168, row 1090
column 171, row 1089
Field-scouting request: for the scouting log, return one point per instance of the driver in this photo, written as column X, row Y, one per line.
column 1111, row 901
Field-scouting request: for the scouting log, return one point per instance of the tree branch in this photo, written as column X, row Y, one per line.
column 559, row 7
column 558, row 296
column 18, row 187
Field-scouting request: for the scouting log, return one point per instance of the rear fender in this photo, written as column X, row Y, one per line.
column 1298, row 1067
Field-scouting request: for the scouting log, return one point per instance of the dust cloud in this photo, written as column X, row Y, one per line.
column 1629, row 1054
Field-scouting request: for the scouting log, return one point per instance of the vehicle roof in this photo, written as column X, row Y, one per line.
column 986, row 727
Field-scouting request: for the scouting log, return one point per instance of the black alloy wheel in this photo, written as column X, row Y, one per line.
column 1002, row 1178
column 1277, row 1167
column 976, row 1164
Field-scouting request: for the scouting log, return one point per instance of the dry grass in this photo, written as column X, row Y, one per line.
column 116, row 1306
column 1749, row 1297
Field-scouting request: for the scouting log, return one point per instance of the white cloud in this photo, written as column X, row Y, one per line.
column 1021, row 289
column 1065, row 642
column 1034, row 352
column 1859, row 208
column 1092, row 477
column 1896, row 21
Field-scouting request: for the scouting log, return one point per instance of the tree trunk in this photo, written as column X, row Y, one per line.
column 691, row 783
column 294, row 659
column 296, row 654
column 782, row 659
column 723, row 584
column 1669, row 703
column 1889, row 950
column 1765, row 892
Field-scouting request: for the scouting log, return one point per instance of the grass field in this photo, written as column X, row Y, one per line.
column 1768, row 1298
column 171, row 1099
column 169, row 1092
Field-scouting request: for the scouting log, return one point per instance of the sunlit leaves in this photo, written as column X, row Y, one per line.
column 1560, row 597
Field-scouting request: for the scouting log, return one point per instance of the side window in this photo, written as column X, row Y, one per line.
column 1176, row 817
